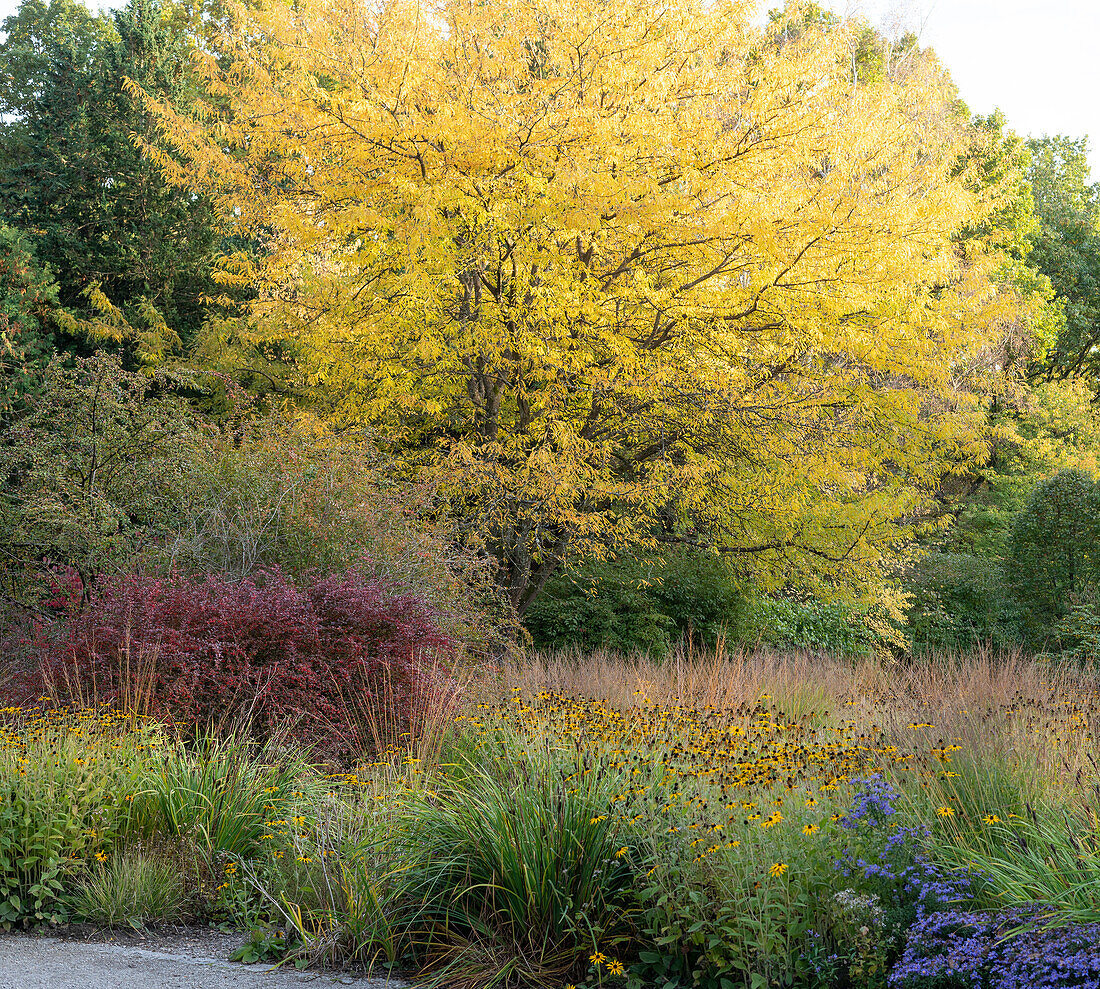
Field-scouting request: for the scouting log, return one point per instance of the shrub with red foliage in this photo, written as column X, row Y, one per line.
column 311, row 658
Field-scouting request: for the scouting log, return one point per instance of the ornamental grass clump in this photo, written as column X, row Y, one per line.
column 223, row 794
column 1050, row 856
column 520, row 872
column 131, row 889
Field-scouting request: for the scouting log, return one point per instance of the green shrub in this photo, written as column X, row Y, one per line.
column 92, row 472
column 785, row 623
column 1077, row 633
column 960, row 600
column 605, row 605
column 637, row 604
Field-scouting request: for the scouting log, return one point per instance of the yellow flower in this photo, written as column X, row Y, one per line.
column 778, row 869
column 100, row 857
column 945, row 812
column 810, row 829
column 598, row 958
column 615, row 967
column 621, row 852
column 991, row 819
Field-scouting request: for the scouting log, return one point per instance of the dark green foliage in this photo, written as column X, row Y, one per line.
column 960, row 599
column 787, row 623
column 1029, row 576
column 645, row 605
column 961, row 581
column 133, row 256
column 1054, row 550
column 636, row 604
column 1077, row 632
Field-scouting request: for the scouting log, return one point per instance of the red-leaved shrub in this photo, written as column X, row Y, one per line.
column 314, row 658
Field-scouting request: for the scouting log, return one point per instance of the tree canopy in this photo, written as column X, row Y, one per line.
column 617, row 274
column 1066, row 248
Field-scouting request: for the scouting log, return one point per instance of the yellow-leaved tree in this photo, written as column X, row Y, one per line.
column 612, row 273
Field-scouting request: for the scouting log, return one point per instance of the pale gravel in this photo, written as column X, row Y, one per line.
column 191, row 958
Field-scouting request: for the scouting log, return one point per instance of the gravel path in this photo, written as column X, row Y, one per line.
column 194, row 959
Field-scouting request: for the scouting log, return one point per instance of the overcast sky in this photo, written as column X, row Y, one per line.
column 1038, row 60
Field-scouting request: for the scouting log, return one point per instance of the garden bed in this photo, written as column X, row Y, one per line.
column 749, row 820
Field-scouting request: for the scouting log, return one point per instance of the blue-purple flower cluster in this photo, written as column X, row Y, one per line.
column 872, row 803
column 1012, row 949
column 894, row 859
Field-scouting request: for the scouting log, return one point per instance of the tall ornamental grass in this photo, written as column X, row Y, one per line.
column 225, row 795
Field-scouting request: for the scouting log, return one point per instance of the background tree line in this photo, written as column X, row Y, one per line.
column 803, row 364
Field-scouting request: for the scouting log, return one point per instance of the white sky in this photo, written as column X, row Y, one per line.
column 1038, row 60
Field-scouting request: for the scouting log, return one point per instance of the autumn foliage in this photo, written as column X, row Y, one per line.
column 206, row 652
column 615, row 275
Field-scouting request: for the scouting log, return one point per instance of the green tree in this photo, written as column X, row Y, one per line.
column 41, row 40
column 28, row 309
column 133, row 256
column 1066, row 248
